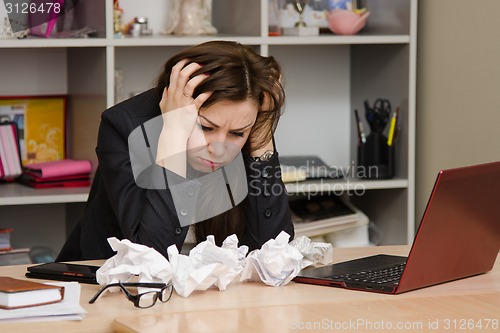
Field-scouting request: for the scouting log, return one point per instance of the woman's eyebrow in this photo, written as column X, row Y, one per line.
column 211, row 122
column 217, row 126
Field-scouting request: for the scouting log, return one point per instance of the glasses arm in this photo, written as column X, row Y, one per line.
column 122, row 287
column 133, row 298
column 158, row 285
column 96, row 296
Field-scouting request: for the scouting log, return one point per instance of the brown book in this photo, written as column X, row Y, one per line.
column 15, row 293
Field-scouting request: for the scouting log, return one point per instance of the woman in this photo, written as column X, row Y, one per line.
column 218, row 100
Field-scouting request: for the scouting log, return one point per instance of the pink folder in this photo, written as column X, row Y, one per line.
column 58, row 169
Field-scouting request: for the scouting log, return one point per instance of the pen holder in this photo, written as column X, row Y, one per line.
column 376, row 159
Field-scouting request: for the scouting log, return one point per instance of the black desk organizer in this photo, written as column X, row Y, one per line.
column 376, row 154
column 376, row 159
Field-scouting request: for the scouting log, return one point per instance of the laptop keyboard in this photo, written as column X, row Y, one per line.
column 381, row 276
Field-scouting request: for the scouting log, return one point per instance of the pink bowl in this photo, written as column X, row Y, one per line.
column 346, row 22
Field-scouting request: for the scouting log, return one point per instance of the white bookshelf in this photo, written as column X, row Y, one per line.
column 326, row 77
column 14, row 194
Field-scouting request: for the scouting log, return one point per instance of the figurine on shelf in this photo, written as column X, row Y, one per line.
column 190, row 17
column 117, row 19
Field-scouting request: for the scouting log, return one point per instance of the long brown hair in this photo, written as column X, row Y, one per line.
column 236, row 73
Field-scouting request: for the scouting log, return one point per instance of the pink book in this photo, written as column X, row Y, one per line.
column 2, row 174
column 10, row 166
column 60, row 168
column 7, row 159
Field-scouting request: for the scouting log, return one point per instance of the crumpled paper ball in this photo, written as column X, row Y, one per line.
column 133, row 260
column 276, row 263
column 206, row 265
column 313, row 252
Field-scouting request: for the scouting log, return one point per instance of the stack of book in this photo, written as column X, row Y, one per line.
column 15, row 293
column 24, row 300
column 63, row 173
column 5, row 239
column 324, row 214
column 9, row 256
column 15, row 257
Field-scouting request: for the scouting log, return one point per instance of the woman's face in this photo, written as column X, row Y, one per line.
column 219, row 134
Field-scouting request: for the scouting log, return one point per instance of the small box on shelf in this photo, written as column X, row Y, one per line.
column 301, row 31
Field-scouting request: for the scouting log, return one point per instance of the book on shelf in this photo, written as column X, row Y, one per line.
column 15, row 257
column 62, row 173
column 296, row 168
column 291, row 174
column 16, row 293
column 77, row 182
column 5, row 238
column 10, row 155
column 61, row 168
column 322, row 214
column 41, row 121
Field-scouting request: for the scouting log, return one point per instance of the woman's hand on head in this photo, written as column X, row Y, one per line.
column 179, row 112
column 179, row 92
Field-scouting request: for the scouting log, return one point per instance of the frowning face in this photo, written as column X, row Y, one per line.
column 220, row 133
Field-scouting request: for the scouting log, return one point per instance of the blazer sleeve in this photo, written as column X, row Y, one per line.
column 268, row 211
column 145, row 216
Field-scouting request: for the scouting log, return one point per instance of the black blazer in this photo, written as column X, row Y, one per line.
column 117, row 207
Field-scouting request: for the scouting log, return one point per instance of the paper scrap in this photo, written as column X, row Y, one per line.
column 275, row 264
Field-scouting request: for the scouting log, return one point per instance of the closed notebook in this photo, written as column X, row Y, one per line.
column 64, row 181
column 16, row 293
column 62, row 168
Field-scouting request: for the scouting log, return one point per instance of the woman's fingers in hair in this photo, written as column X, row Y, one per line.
column 192, row 84
column 180, row 77
column 186, row 85
column 183, row 84
column 175, row 73
column 202, row 98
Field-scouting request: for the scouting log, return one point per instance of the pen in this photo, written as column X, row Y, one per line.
column 361, row 133
column 396, row 134
column 390, row 136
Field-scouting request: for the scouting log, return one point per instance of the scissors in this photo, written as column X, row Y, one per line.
column 379, row 115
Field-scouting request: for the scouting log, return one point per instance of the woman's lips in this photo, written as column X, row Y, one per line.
column 210, row 164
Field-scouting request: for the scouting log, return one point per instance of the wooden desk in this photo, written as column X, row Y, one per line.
column 255, row 307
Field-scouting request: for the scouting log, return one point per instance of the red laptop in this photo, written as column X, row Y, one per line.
column 458, row 237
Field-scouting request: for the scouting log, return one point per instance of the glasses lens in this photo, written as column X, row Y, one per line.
column 166, row 293
column 148, row 299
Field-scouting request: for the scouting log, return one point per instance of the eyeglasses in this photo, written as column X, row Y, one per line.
column 143, row 300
